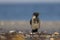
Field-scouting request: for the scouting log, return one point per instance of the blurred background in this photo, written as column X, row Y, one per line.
column 16, row 14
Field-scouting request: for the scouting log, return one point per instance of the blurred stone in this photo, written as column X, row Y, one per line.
column 18, row 37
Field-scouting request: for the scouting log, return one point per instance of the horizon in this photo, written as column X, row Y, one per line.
column 29, row 1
